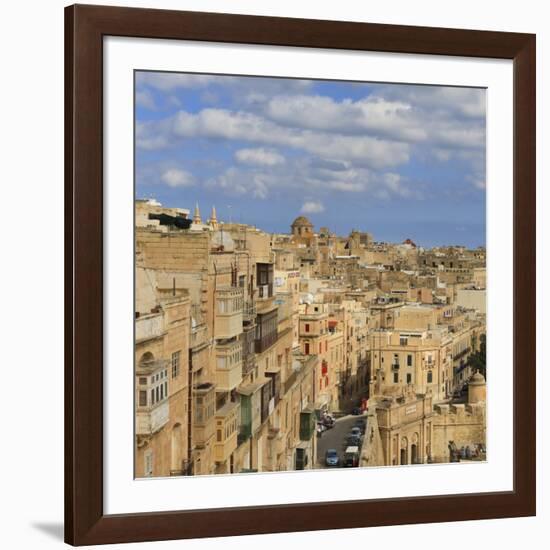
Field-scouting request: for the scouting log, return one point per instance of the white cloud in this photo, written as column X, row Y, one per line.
column 440, row 100
column 168, row 82
column 445, row 121
column 301, row 177
column 246, row 126
column 153, row 135
column 259, row 157
column 477, row 180
column 284, row 140
column 175, row 177
column 370, row 115
column 312, row 207
column 144, row 98
column 238, row 182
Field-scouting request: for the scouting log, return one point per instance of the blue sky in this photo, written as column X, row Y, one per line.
column 400, row 161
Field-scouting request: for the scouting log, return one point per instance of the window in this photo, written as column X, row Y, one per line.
column 430, row 377
column 143, row 398
column 307, row 327
column 176, row 364
column 264, row 274
column 409, row 360
column 403, row 341
column 143, row 381
column 409, row 378
column 306, row 348
column 395, row 377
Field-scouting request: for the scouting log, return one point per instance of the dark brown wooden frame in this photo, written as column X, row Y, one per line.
column 85, row 27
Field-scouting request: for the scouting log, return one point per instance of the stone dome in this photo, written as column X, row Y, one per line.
column 301, row 221
column 477, row 379
column 477, row 389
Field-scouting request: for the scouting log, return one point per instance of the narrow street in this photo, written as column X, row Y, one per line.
column 335, row 438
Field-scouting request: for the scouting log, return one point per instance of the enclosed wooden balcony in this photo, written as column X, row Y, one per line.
column 229, row 312
column 199, row 335
column 229, row 365
column 307, row 423
column 251, row 403
column 227, row 424
column 249, row 358
column 152, row 411
column 204, row 405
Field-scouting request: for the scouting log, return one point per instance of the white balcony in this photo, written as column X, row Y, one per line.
column 229, row 364
column 152, row 391
column 149, row 326
column 229, row 312
column 152, row 420
column 229, row 379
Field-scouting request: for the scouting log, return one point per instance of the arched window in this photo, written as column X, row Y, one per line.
column 146, row 358
column 430, row 377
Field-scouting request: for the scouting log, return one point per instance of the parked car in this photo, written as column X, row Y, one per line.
column 361, row 426
column 351, row 457
column 353, row 440
column 331, row 458
column 356, row 411
column 356, row 431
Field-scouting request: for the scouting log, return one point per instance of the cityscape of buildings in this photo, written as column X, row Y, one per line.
column 259, row 352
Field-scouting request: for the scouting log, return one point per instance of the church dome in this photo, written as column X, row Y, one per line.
column 301, row 221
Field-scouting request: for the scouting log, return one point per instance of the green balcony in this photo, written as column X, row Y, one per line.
column 307, row 424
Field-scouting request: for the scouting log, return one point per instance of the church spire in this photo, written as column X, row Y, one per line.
column 213, row 218
column 197, row 214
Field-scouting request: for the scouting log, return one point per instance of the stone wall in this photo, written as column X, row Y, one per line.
column 462, row 423
column 372, row 453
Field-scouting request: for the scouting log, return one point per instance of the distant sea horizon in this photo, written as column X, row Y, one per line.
column 378, row 222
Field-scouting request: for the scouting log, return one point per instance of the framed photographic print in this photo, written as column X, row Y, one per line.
column 300, row 274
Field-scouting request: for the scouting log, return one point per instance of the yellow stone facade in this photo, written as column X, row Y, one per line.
column 245, row 338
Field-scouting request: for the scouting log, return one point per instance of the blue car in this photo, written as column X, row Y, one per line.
column 331, row 458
